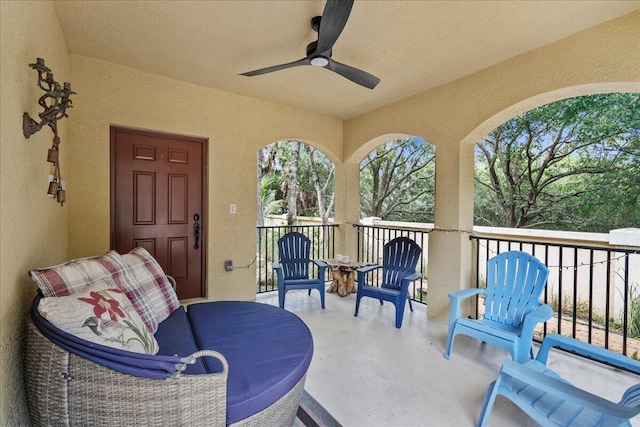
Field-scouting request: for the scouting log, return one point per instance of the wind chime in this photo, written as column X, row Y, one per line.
column 55, row 101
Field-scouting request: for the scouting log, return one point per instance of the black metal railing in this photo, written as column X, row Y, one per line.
column 322, row 246
column 594, row 290
column 371, row 239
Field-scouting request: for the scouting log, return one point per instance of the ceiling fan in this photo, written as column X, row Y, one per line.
column 328, row 26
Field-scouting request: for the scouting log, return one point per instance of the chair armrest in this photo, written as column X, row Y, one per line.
column 412, row 277
column 463, row 294
column 322, row 266
column 367, row 269
column 566, row 391
column 540, row 314
column 319, row 263
column 455, row 302
column 279, row 272
column 362, row 272
column 404, row 286
column 586, row 349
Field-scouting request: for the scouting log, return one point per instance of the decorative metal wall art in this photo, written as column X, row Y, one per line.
column 55, row 102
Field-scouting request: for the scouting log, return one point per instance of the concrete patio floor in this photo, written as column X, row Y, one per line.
column 365, row 372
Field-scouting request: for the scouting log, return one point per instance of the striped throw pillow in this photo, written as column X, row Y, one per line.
column 75, row 275
column 150, row 292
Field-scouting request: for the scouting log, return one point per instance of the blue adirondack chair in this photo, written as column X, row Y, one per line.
column 552, row 401
column 293, row 267
column 515, row 282
column 399, row 259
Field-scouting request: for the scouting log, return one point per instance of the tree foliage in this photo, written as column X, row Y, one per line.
column 303, row 178
column 397, row 181
column 571, row 165
column 323, row 184
column 268, row 203
column 291, row 189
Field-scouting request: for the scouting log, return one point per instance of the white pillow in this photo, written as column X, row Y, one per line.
column 103, row 314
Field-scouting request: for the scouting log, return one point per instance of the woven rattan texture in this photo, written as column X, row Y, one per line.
column 99, row 396
column 47, row 395
column 281, row 413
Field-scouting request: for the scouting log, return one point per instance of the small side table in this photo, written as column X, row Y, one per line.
column 343, row 275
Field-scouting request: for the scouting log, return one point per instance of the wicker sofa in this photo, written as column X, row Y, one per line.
column 219, row 363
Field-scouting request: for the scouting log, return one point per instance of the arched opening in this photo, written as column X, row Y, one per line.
column 567, row 165
column 295, row 191
column 296, row 180
column 397, row 197
column 554, row 181
column 397, row 181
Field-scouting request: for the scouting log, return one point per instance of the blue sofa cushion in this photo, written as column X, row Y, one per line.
column 268, row 350
column 174, row 337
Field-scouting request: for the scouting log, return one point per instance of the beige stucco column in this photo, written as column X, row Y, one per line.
column 449, row 244
column 347, row 207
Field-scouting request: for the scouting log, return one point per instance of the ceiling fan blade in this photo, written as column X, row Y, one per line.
column 355, row 75
column 334, row 18
column 303, row 61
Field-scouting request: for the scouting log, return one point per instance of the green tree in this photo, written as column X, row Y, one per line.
column 565, row 165
column 612, row 200
column 397, row 181
column 292, row 184
column 268, row 204
column 303, row 177
column 323, row 183
column 267, row 184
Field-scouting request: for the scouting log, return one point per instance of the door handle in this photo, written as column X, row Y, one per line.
column 196, row 229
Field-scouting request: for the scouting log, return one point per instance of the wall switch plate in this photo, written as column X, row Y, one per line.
column 232, row 208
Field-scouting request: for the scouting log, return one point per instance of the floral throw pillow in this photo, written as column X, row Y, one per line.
column 102, row 314
column 150, row 292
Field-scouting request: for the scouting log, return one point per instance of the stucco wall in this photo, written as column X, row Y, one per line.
column 236, row 128
column 455, row 116
column 584, row 63
column 33, row 227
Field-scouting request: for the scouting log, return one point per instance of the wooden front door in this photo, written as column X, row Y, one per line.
column 158, row 202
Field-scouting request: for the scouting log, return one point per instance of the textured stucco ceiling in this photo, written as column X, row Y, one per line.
column 411, row 46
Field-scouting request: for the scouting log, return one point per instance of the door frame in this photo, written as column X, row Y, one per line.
column 204, row 143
